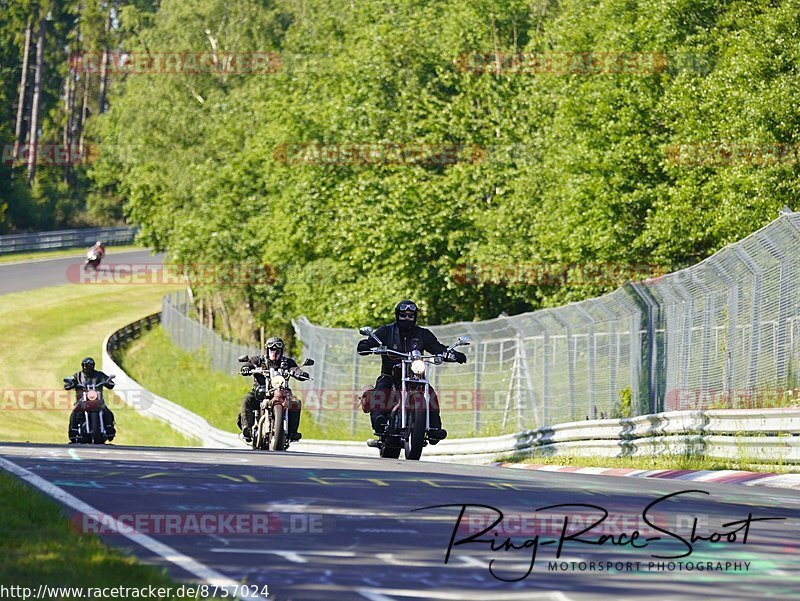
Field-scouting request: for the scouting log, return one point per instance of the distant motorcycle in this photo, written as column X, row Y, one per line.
column 93, row 257
column 409, row 420
column 91, row 427
column 271, row 428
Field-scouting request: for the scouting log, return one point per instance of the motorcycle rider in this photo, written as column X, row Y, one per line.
column 273, row 358
column 88, row 376
column 99, row 248
column 404, row 335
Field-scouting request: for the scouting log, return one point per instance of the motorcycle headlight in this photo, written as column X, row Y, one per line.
column 418, row 366
column 278, row 381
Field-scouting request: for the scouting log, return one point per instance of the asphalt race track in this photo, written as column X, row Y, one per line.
column 346, row 528
column 18, row 277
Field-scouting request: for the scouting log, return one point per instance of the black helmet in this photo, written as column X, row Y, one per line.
column 274, row 343
column 406, row 305
column 87, row 365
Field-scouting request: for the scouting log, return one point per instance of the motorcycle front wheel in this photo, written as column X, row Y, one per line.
column 415, row 439
column 94, row 424
column 278, row 439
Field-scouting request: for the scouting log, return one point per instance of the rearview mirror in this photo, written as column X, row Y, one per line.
column 462, row 340
column 307, row 362
column 243, row 359
column 365, row 331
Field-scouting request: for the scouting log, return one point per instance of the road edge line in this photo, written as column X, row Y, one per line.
column 184, row 562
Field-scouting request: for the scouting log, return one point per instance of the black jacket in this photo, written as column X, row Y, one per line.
column 262, row 361
column 396, row 339
column 82, row 380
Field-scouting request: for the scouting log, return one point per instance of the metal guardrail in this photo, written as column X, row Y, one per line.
column 76, row 238
column 757, row 436
column 151, row 405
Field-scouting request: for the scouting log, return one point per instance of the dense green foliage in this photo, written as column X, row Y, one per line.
column 579, row 166
column 60, row 194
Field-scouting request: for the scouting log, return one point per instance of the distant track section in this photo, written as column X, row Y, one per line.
column 118, row 268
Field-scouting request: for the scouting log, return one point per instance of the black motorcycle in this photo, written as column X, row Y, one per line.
column 410, row 418
column 275, row 398
column 91, row 426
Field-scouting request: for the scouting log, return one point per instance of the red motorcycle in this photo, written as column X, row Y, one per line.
column 93, row 257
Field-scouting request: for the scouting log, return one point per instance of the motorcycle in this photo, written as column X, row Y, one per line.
column 91, row 426
column 271, row 428
column 93, row 257
column 409, row 422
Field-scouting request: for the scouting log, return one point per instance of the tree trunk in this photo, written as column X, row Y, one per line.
column 104, row 65
column 35, row 104
column 83, row 115
column 23, row 92
column 67, row 137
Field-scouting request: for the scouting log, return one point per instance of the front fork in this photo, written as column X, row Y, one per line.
column 88, row 426
column 404, row 398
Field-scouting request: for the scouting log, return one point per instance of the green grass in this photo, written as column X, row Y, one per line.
column 38, row 545
column 186, row 379
column 45, row 333
column 651, row 462
column 66, row 252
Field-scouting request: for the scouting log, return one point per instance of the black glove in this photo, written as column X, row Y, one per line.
column 301, row 375
column 246, row 371
column 363, row 347
column 455, row 357
column 109, row 384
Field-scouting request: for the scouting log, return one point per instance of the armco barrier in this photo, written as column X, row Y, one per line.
column 755, row 435
column 77, row 238
column 151, row 405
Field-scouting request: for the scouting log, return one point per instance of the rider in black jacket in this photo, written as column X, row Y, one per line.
column 403, row 335
column 89, row 375
column 274, row 358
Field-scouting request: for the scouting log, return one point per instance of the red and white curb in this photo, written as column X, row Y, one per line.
column 711, row 476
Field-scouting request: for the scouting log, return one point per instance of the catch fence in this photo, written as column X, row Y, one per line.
column 720, row 334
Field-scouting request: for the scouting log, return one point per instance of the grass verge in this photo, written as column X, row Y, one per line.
column 65, row 252
column 651, row 462
column 186, row 379
column 44, row 334
column 39, row 546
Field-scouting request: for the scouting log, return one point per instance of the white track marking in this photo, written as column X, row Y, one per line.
column 386, row 594
column 293, row 556
column 191, row 565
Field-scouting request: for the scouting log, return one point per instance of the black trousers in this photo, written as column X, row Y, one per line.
column 75, row 416
column 250, row 404
column 387, row 394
